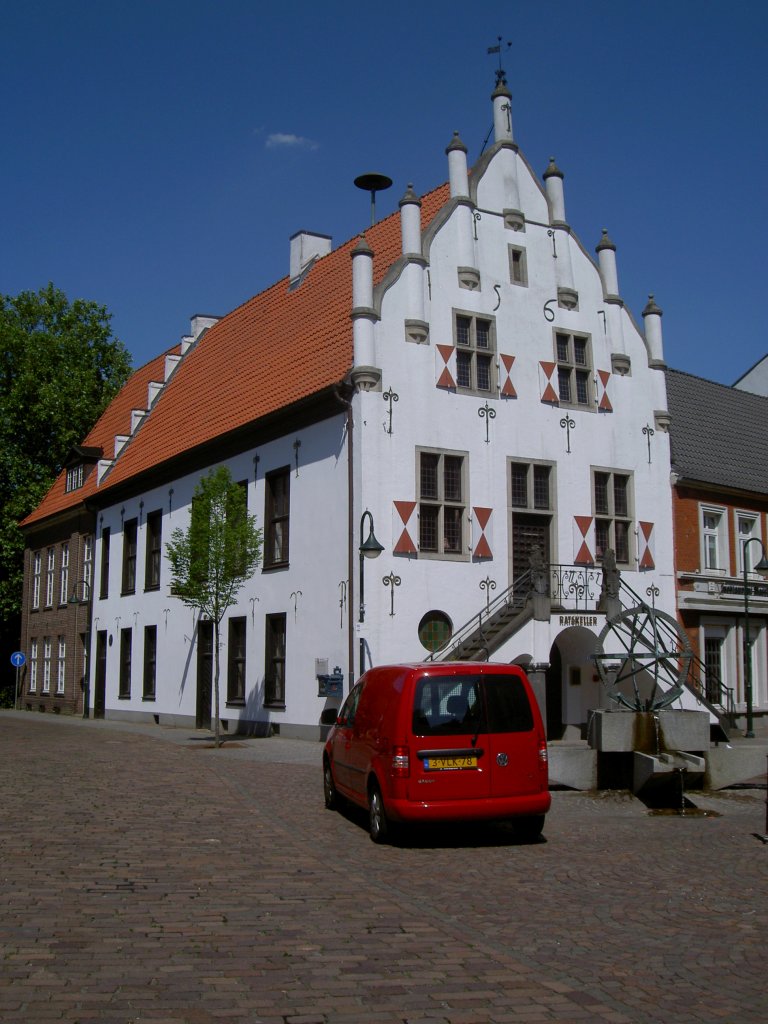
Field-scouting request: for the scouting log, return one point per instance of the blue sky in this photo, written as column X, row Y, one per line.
column 157, row 156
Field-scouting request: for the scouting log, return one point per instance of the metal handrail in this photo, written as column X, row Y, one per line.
column 516, row 592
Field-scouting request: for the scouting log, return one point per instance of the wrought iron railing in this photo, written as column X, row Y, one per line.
column 577, row 585
column 515, row 596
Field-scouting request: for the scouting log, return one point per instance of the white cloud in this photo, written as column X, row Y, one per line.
column 280, row 139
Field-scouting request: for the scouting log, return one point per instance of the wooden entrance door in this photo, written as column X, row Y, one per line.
column 528, row 532
column 100, row 679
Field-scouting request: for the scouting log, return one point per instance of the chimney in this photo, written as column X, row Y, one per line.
column 306, row 247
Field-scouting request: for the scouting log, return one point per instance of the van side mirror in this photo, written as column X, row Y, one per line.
column 328, row 716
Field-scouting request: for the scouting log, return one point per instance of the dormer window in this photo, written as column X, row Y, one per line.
column 75, row 477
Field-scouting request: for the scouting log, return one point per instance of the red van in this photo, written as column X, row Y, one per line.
column 452, row 741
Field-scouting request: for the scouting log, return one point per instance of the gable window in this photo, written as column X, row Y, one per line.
column 49, row 570
column 154, row 548
column 64, row 574
column 274, row 661
column 574, row 369
column 37, row 568
column 104, row 586
column 61, row 666
column 518, row 265
column 714, row 554
column 442, row 494
column 150, row 662
column 612, row 505
column 277, row 517
column 75, row 477
column 475, row 353
column 124, row 686
column 33, row 654
column 46, row 664
column 236, row 661
column 130, row 533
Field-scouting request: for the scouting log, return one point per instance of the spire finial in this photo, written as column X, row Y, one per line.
column 497, row 49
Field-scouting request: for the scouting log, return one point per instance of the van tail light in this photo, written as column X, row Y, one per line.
column 543, row 756
column 401, row 762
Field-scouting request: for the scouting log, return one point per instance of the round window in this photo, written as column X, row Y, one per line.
column 435, row 630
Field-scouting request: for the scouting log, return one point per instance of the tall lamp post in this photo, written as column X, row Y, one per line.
column 369, row 548
column 762, row 566
column 85, row 590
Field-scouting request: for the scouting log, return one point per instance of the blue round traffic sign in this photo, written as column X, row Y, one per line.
column 18, row 658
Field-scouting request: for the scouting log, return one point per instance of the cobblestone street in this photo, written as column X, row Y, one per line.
column 148, row 877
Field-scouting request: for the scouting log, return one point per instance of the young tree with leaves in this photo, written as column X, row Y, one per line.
column 60, row 366
column 215, row 555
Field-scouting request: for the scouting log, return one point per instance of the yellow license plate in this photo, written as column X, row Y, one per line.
column 436, row 764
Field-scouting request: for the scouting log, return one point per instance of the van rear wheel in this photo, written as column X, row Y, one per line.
column 529, row 829
column 329, row 787
column 377, row 817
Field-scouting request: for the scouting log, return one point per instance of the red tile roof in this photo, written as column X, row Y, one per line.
column 278, row 348
column 116, row 419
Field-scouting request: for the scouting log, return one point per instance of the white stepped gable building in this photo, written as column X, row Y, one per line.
column 465, row 379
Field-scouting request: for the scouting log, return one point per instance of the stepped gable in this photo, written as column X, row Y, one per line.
column 278, row 348
column 116, row 419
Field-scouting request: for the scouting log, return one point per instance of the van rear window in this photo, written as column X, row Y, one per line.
column 476, row 704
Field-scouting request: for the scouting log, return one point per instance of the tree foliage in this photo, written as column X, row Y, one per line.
column 212, row 559
column 60, row 366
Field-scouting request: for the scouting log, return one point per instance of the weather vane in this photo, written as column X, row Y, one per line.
column 497, row 49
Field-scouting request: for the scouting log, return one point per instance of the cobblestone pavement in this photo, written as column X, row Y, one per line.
column 159, row 882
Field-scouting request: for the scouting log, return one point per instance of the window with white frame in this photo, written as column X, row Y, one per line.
column 518, row 268
column 75, row 477
column 475, row 353
column 612, row 506
column 61, row 666
column 713, row 539
column 49, row 571
column 442, row 493
column 37, row 566
column 46, row 664
column 574, row 369
column 64, row 574
column 747, row 527
column 87, row 566
column 33, row 655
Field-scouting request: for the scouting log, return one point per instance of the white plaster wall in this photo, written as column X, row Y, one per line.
column 523, row 427
column 318, row 562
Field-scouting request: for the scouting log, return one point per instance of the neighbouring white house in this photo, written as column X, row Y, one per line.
column 464, row 382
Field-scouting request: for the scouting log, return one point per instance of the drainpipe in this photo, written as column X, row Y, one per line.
column 345, row 402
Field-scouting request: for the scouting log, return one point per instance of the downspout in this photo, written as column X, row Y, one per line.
column 339, row 393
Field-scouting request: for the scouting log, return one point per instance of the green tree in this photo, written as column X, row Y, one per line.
column 215, row 555
column 60, row 366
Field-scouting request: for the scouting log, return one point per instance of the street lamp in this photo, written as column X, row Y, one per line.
column 85, row 589
column 369, row 548
column 762, row 566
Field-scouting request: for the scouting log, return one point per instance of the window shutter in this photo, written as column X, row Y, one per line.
column 505, row 382
column 647, row 545
column 583, row 540
column 547, row 373
column 404, row 524
column 482, row 532
column 603, row 401
column 445, row 366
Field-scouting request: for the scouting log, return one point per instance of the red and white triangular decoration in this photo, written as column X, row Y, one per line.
column 547, row 375
column 505, row 382
column 482, row 534
column 445, row 366
column 603, row 401
column 583, row 540
column 404, row 526
column 646, row 546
